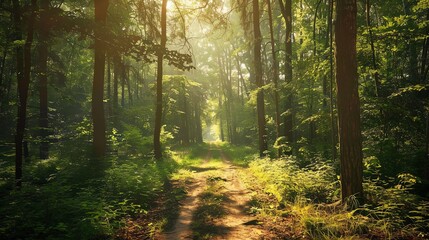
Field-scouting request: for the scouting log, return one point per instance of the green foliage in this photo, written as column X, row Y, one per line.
column 130, row 181
column 304, row 194
column 288, row 183
column 73, row 197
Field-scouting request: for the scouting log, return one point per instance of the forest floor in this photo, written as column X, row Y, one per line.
column 213, row 196
column 218, row 192
column 216, row 205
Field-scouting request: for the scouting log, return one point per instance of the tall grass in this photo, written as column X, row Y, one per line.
column 309, row 196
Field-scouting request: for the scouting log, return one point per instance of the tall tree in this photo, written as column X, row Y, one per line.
column 198, row 125
column 22, row 93
column 116, row 74
column 348, row 101
column 286, row 10
column 158, row 114
column 184, row 128
column 373, row 53
column 275, row 71
column 98, row 118
column 42, row 73
column 330, row 39
column 260, row 106
column 23, row 76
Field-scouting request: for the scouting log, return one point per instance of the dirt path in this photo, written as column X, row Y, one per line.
column 182, row 227
column 235, row 222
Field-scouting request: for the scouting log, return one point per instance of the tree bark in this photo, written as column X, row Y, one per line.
column 122, row 67
column 43, row 80
column 348, row 101
column 98, row 118
column 128, row 81
column 23, row 77
column 426, row 172
column 260, row 105
column 286, row 10
column 222, row 134
column 115, row 84
column 109, row 86
column 3, row 99
column 334, row 137
column 373, row 54
column 423, row 70
column 185, row 124
column 198, row 127
column 22, row 92
column 232, row 117
column 158, row 114
column 275, row 72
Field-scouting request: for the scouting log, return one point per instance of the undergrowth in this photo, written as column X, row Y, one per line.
column 73, row 195
column 310, row 198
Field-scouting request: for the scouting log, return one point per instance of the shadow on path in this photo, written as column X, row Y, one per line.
column 216, row 206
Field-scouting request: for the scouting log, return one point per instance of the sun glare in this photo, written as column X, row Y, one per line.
column 171, row 6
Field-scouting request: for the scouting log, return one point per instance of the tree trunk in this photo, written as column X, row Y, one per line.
column 3, row 99
column 109, row 87
column 98, row 118
column 373, row 55
column 226, row 90
column 198, row 127
column 423, row 70
column 158, row 114
column 260, row 105
column 22, row 94
column 122, row 66
column 348, row 101
column 334, row 137
column 3, row 62
column 231, row 108
column 240, row 74
column 286, row 10
column 222, row 135
column 275, row 73
column 426, row 173
column 128, row 81
column 43, row 80
column 185, row 124
column 23, row 77
column 115, row 84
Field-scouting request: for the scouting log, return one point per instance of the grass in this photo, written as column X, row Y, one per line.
column 302, row 197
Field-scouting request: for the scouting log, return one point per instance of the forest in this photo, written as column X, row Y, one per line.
column 214, row 119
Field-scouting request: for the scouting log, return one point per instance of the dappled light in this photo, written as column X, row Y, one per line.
column 204, row 119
